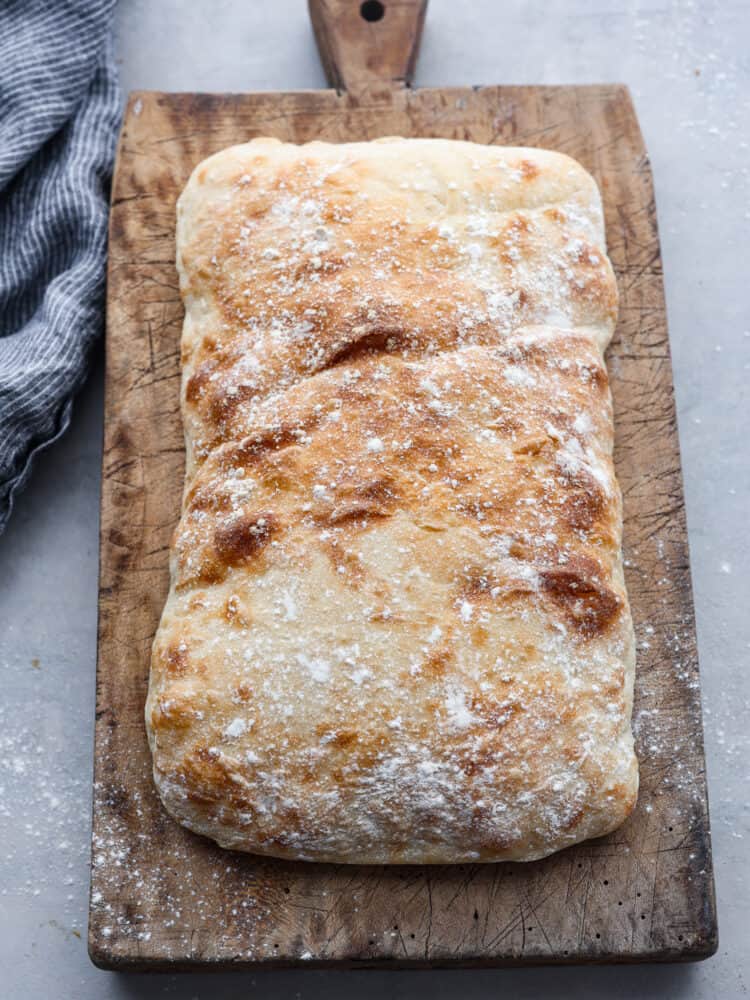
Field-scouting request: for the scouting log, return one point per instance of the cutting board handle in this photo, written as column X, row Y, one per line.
column 370, row 42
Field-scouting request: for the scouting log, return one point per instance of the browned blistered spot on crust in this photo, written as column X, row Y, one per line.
column 519, row 223
column 204, row 496
column 496, row 713
column 520, row 550
column 574, row 753
column 481, row 758
column 173, row 711
column 224, row 404
column 385, row 615
column 555, row 214
column 344, row 739
column 346, row 563
column 360, row 501
column 279, row 475
column 364, row 341
column 574, row 820
column 477, row 586
column 240, row 538
column 197, row 602
column 585, row 503
column 198, row 799
column 513, row 238
column 531, row 445
column 592, row 286
column 340, row 738
column 479, row 636
column 176, row 659
column 495, row 845
column 352, row 512
column 588, row 604
column 236, row 612
column 614, row 688
column 243, row 692
column 529, row 170
column 596, row 374
column 366, row 755
column 196, row 384
column 438, row 660
column 329, row 264
column 207, row 779
column 579, row 251
column 266, row 440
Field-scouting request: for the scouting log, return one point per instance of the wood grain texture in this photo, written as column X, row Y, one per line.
column 163, row 898
column 360, row 54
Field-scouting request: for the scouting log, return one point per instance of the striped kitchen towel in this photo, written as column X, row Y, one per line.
column 59, row 115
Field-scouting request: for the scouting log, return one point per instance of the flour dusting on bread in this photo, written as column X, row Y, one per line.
column 398, row 630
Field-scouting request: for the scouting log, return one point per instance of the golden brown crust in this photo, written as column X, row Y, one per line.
column 398, row 629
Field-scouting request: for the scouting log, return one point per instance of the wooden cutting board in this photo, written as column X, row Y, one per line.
column 163, row 898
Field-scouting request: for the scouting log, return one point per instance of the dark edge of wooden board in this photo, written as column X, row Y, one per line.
column 165, row 900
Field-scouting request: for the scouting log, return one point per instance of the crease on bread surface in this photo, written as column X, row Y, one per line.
column 397, row 629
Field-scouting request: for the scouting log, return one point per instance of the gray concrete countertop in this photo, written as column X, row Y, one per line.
column 688, row 67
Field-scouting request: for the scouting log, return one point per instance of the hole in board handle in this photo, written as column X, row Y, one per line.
column 372, row 10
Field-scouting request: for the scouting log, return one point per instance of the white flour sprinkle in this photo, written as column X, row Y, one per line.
column 319, row 669
column 237, row 727
column 458, row 712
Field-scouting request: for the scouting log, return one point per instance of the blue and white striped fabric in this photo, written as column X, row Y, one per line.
column 59, row 114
